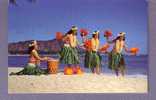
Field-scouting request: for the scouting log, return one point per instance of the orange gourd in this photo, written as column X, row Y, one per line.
column 79, row 71
column 68, row 71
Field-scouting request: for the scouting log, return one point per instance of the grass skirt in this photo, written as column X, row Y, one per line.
column 30, row 69
column 92, row 59
column 87, row 59
column 69, row 55
column 116, row 61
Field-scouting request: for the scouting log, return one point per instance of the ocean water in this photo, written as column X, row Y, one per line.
column 135, row 65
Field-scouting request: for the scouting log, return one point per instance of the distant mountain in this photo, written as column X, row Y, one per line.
column 45, row 47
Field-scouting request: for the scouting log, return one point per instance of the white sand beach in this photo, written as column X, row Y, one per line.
column 85, row 83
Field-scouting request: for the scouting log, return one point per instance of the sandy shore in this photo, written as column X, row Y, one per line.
column 86, row 83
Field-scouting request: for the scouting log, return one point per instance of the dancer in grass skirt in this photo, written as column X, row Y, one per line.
column 93, row 58
column 116, row 58
column 32, row 68
column 69, row 53
column 86, row 46
column 86, row 59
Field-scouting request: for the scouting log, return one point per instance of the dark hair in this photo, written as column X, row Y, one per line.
column 117, row 38
column 71, row 32
column 30, row 49
column 93, row 35
column 98, row 36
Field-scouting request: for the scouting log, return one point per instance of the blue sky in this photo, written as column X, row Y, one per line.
column 42, row 19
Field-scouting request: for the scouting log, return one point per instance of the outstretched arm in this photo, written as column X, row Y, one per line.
column 35, row 53
column 126, row 48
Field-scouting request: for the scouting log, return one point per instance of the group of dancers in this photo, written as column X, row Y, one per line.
column 70, row 57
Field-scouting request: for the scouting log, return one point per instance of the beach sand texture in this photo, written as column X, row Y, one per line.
column 85, row 83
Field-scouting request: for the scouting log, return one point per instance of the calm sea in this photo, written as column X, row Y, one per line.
column 134, row 64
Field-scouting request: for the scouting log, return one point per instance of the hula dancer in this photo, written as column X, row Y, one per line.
column 116, row 58
column 69, row 53
column 94, row 60
column 32, row 68
column 87, row 54
column 86, row 45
